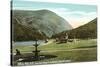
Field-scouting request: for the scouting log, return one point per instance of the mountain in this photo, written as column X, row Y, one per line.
column 88, row 30
column 28, row 24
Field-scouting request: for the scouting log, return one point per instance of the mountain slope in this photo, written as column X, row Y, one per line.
column 44, row 22
column 88, row 30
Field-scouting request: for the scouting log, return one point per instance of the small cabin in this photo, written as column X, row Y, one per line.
column 62, row 39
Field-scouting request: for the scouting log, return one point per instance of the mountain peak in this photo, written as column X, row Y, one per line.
column 44, row 21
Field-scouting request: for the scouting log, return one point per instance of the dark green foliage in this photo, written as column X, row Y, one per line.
column 88, row 30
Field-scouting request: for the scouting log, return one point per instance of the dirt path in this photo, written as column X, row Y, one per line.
column 79, row 49
column 70, row 50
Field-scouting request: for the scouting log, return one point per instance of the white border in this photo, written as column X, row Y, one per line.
column 5, row 33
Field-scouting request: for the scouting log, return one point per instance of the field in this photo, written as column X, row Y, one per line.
column 77, row 51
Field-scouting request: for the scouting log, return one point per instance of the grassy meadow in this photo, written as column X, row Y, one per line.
column 76, row 51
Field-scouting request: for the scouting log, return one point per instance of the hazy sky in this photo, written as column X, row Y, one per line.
column 75, row 14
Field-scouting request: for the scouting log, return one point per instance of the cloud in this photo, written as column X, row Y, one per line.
column 91, row 2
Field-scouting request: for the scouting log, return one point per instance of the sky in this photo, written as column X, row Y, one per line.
column 75, row 14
